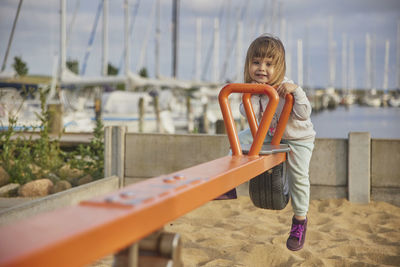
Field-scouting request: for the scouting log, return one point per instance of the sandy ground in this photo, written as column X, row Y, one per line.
column 340, row 233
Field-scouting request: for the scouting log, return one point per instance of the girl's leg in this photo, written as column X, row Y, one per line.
column 298, row 161
column 245, row 137
column 299, row 183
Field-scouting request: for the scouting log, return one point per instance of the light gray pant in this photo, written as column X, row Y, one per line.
column 298, row 162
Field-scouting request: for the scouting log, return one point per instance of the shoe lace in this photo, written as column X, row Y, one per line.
column 297, row 231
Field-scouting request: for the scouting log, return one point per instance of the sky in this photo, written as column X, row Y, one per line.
column 37, row 36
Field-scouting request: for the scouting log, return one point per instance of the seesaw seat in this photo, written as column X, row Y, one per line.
column 267, row 149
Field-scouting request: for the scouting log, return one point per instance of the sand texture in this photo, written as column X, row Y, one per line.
column 340, row 233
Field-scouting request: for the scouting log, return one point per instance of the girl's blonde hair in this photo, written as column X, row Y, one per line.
column 267, row 46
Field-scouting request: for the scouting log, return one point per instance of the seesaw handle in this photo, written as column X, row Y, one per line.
column 258, row 134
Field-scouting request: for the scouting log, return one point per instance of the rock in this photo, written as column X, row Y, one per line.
column 37, row 188
column 69, row 174
column 60, row 186
column 53, row 177
column 35, row 169
column 85, row 179
column 4, row 177
column 9, row 190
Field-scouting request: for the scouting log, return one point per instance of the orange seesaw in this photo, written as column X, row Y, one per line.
column 78, row 235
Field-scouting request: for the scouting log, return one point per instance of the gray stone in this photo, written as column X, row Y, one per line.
column 61, row 186
column 9, row 190
column 53, row 177
column 66, row 172
column 85, row 179
column 4, row 177
column 37, row 188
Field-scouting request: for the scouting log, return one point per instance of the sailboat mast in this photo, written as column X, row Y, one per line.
column 198, row 48
column 127, row 40
column 344, row 62
column 239, row 64
column 105, row 38
column 63, row 38
column 175, row 26
column 398, row 54
column 368, row 77
column 332, row 61
column 157, row 48
column 351, row 83
column 386, row 68
column 289, row 52
column 143, row 51
column 216, row 50
column 11, row 36
column 300, row 62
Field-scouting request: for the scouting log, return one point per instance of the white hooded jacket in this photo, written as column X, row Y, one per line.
column 299, row 125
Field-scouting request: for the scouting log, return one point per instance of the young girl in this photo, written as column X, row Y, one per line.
column 265, row 63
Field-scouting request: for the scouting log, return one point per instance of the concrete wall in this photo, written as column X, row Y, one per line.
column 385, row 170
column 62, row 199
column 149, row 155
column 328, row 169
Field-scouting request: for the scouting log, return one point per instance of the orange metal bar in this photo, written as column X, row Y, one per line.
column 284, row 117
column 251, row 118
column 247, row 88
column 78, row 235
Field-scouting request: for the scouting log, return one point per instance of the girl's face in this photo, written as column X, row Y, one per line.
column 261, row 70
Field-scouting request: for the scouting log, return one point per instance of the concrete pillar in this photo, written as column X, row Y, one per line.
column 141, row 115
column 359, row 167
column 114, row 152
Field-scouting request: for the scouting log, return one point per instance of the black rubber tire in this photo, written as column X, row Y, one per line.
column 266, row 189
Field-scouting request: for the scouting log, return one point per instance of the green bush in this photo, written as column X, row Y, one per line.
column 90, row 158
column 20, row 155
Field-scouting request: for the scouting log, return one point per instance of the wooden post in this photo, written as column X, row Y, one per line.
column 205, row 119
column 55, row 118
column 107, row 151
column 189, row 115
column 220, row 127
column 141, row 114
column 97, row 103
column 157, row 112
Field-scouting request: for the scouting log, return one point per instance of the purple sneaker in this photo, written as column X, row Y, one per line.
column 228, row 195
column 297, row 235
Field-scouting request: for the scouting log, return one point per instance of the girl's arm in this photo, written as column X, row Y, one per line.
column 301, row 107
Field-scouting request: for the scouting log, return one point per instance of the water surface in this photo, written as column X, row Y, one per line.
column 381, row 122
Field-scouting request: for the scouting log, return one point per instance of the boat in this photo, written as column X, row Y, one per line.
column 330, row 99
column 394, row 100
column 372, row 99
column 348, row 99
